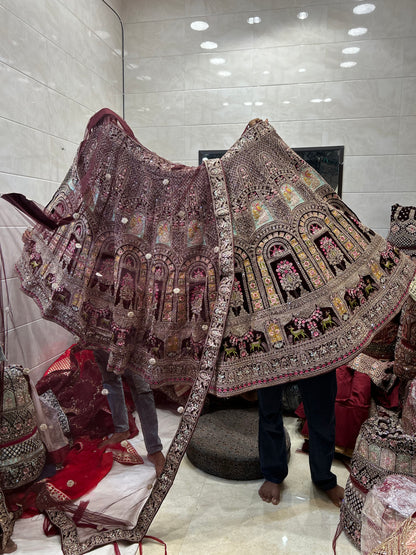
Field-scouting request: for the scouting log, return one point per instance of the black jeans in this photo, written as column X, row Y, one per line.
column 318, row 395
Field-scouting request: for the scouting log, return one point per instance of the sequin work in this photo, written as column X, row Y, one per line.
column 138, row 269
column 234, row 275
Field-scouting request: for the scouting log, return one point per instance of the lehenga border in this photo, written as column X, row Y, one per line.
column 231, row 378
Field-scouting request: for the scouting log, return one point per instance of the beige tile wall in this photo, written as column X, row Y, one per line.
column 60, row 61
column 178, row 101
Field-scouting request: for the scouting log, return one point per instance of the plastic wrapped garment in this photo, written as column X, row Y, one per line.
column 386, row 508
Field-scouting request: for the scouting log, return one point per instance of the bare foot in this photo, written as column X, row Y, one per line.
column 115, row 438
column 158, row 459
column 10, row 547
column 270, row 492
column 336, row 495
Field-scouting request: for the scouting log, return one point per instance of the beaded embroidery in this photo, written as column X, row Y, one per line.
column 237, row 274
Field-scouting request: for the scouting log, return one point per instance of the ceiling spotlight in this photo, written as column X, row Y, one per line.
column 357, row 31
column 208, row 45
column 362, row 9
column 253, row 20
column 199, row 25
column 328, row 99
column 302, row 15
column 316, row 100
column 351, row 50
column 217, row 61
column 301, row 70
column 224, row 73
column 348, row 64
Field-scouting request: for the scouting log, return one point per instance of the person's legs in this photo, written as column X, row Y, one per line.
column 114, row 385
column 318, row 395
column 272, row 443
column 145, row 406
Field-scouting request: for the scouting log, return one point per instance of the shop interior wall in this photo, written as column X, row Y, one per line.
column 60, row 61
column 181, row 98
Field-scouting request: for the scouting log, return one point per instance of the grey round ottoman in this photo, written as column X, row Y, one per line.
column 225, row 444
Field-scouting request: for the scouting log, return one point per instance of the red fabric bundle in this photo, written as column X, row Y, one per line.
column 351, row 407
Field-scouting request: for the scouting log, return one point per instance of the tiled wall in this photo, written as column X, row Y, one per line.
column 60, row 61
column 182, row 98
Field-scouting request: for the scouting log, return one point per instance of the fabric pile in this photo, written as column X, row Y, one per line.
column 386, row 444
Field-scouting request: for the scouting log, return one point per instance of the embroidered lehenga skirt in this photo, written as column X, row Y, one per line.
column 244, row 272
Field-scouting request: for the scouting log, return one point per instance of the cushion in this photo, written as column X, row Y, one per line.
column 225, row 444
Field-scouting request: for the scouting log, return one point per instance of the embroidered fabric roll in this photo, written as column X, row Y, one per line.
column 405, row 353
column 403, row 228
column 22, row 453
column 382, row 448
column 351, row 511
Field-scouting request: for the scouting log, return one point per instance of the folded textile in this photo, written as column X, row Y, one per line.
column 386, row 508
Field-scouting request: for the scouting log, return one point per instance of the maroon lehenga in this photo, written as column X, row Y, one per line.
column 241, row 273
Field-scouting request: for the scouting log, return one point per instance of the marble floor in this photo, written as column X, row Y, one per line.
column 206, row 515
column 203, row 514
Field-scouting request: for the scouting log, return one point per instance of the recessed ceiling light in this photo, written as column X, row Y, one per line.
column 364, row 8
column 328, row 99
column 357, row 31
column 248, row 103
column 301, row 70
column 253, row 20
column 199, row 25
column 258, row 103
column 217, row 61
column 225, row 103
column 208, row 45
column 316, row 100
column 351, row 50
column 266, row 72
column 348, row 64
column 224, row 73
column 286, row 101
column 302, row 15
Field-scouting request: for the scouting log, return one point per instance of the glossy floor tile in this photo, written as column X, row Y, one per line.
column 206, row 515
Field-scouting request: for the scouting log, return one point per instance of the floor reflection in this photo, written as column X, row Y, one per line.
column 209, row 515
